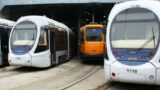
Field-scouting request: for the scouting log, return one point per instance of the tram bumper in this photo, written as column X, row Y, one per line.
column 142, row 74
column 93, row 55
column 20, row 60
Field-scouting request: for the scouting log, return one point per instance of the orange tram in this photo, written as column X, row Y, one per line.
column 91, row 41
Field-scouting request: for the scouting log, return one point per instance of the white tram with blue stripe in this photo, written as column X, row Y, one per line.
column 38, row 41
column 133, row 39
column 5, row 28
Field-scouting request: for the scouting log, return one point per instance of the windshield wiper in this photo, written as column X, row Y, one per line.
column 148, row 41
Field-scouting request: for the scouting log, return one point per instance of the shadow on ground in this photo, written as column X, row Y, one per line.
column 130, row 86
column 93, row 61
column 30, row 69
column 3, row 66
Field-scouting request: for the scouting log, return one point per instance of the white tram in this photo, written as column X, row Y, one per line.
column 38, row 41
column 5, row 28
column 133, row 39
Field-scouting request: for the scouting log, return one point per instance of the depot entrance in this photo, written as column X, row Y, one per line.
column 72, row 15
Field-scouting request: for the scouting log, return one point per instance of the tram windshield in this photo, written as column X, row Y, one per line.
column 24, row 34
column 135, row 29
column 94, row 34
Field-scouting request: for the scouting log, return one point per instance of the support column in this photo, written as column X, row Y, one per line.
column 78, row 33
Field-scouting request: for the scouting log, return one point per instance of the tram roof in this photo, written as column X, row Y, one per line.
column 4, row 22
column 152, row 5
column 43, row 21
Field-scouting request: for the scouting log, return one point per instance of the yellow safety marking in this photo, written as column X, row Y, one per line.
column 6, row 26
column 56, row 27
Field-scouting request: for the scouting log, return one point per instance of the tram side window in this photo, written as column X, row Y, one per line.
column 65, row 40
column 57, row 41
column 61, row 40
column 43, row 42
column 82, row 37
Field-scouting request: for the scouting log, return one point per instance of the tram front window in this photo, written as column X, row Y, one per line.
column 94, row 34
column 135, row 29
column 24, row 34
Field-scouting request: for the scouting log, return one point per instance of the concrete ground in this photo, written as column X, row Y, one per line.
column 54, row 78
column 71, row 75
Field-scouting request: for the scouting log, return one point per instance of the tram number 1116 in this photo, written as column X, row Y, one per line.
column 132, row 70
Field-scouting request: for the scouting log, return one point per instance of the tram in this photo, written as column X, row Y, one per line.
column 5, row 28
column 38, row 41
column 133, row 37
column 91, row 41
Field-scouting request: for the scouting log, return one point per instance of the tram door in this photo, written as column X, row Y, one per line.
column 4, row 37
column 1, row 62
column 52, row 47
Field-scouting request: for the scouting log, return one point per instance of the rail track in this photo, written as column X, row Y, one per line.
column 92, row 72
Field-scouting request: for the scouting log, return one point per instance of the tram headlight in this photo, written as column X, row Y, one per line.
column 148, row 57
column 143, row 57
column 151, row 77
column 122, row 56
column 118, row 56
column 28, row 61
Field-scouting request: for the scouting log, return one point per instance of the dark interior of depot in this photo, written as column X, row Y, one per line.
column 72, row 15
